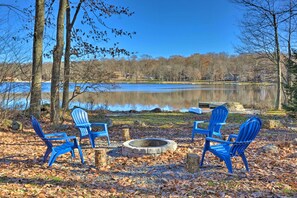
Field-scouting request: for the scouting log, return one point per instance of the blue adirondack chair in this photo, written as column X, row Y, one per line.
column 225, row 150
column 65, row 147
column 81, row 120
column 217, row 120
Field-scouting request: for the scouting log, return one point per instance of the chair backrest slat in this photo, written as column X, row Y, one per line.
column 218, row 115
column 81, row 117
column 38, row 130
column 247, row 133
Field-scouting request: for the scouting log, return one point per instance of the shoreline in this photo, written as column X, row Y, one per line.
column 170, row 82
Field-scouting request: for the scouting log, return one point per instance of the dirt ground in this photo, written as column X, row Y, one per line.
column 22, row 173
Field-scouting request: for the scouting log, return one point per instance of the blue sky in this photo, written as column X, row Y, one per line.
column 181, row 27
column 175, row 27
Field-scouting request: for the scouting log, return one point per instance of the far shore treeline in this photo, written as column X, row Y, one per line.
column 197, row 67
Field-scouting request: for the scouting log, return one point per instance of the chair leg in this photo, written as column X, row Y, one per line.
column 193, row 134
column 206, row 147
column 92, row 141
column 72, row 154
column 202, row 157
column 81, row 155
column 52, row 158
column 46, row 154
column 108, row 141
column 245, row 161
column 228, row 163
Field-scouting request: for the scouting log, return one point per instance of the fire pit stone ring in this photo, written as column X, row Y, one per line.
column 147, row 146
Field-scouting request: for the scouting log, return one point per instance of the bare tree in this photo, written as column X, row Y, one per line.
column 261, row 33
column 94, row 13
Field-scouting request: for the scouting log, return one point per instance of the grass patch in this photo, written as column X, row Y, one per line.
column 154, row 119
column 211, row 183
column 167, row 119
column 3, row 179
column 55, row 178
column 276, row 112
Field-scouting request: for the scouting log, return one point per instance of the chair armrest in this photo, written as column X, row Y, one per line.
column 98, row 124
column 196, row 123
column 232, row 136
column 220, row 123
column 211, row 139
column 56, row 134
column 212, row 129
column 63, row 138
column 83, row 125
column 201, row 121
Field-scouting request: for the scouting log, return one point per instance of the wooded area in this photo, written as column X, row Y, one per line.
column 207, row 67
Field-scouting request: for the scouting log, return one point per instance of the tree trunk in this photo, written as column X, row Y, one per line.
column 37, row 59
column 57, row 56
column 289, row 83
column 69, row 26
column 67, row 60
column 278, row 101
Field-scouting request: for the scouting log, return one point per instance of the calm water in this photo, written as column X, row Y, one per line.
column 168, row 97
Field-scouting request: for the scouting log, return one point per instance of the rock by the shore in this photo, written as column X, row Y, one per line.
column 272, row 124
column 235, row 106
column 12, row 124
column 156, row 110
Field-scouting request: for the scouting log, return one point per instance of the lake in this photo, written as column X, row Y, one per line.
column 125, row 97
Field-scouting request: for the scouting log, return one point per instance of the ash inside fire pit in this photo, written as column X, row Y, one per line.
column 149, row 146
column 147, row 143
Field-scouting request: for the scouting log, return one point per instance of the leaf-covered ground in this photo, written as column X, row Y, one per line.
column 22, row 173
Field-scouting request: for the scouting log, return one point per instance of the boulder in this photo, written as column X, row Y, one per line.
column 12, row 124
column 156, row 110
column 272, row 124
column 270, row 148
column 16, row 126
column 6, row 123
column 139, row 123
column 235, row 106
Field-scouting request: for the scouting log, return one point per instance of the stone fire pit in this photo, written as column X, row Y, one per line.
column 148, row 146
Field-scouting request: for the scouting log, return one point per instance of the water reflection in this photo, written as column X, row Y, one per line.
column 167, row 97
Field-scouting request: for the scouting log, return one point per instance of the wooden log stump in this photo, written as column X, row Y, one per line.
column 100, row 158
column 192, row 163
column 126, row 134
